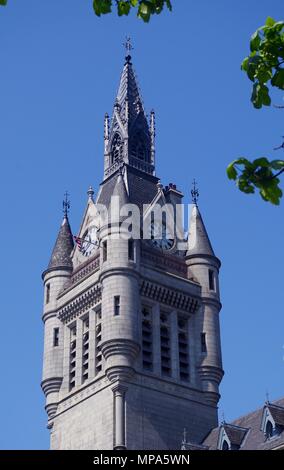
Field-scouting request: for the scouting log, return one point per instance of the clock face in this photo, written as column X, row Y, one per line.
column 162, row 243
column 90, row 241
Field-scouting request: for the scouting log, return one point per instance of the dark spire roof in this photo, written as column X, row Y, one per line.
column 63, row 246
column 128, row 100
column 120, row 190
column 129, row 139
column 198, row 240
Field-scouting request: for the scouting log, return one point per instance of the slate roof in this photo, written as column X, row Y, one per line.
column 236, row 434
column 63, row 246
column 277, row 413
column 254, row 438
column 142, row 188
column 198, row 240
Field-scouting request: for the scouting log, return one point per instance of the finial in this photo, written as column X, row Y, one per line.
column 128, row 48
column 127, row 44
column 194, row 192
column 184, row 436
column 91, row 193
column 267, row 398
column 66, row 204
column 223, row 421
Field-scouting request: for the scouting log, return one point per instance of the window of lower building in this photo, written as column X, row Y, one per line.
column 72, row 357
column 225, row 446
column 104, row 250
column 269, row 430
column 131, row 249
column 47, row 294
column 165, row 336
column 98, row 352
column 117, row 305
column 203, row 342
column 211, row 279
column 183, row 348
column 85, row 349
column 55, row 337
column 147, row 338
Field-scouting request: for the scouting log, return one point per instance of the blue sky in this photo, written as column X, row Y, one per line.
column 60, row 67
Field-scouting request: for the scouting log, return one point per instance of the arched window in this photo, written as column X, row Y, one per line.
column 269, row 430
column 116, row 148
column 225, row 445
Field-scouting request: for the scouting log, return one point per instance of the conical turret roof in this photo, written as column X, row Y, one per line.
column 198, row 239
column 63, row 246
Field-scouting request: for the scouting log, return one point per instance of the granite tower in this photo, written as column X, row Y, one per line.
column 132, row 352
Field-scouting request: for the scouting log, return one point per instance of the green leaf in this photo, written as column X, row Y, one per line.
column 144, row 11
column 278, row 79
column 255, row 42
column 244, row 64
column 261, row 162
column 123, row 8
column 263, row 75
column 264, row 95
column 231, row 171
column 277, row 164
column 272, row 194
column 169, row 5
column 245, row 186
column 260, row 95
column 3, row 2
column 102, row 6
column 134, row 2
column 270, row 21
column 255, row 97
column 252, row 65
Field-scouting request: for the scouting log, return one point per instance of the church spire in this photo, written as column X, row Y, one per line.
column 129, row 138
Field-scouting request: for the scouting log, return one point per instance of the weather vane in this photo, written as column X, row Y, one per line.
column 66, row 204
column 194, row 192
column 127, row 44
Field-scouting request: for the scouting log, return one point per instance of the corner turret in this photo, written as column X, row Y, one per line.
column 55, row 277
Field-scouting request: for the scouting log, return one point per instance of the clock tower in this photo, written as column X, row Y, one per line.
column 132, row 352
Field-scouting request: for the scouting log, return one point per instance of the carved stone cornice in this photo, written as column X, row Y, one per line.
column 165, row 261
column 80, row 304
column 83, row 271
column 171, row 297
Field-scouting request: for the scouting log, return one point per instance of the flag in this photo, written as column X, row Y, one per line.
column 78, row 242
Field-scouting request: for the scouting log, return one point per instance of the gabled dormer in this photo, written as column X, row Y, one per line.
column 231, row 437
column 272, row 422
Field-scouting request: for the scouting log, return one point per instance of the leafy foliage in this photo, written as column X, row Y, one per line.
column 261, row 174
column 264, row 67
column 145, row 8
column 3, row 2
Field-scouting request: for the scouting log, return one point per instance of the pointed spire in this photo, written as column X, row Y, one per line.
column 64, row 244
column 120, row 190
column 119, row 198
column 198, row 240
column 129, row 138
column 128, row 100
